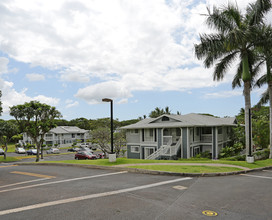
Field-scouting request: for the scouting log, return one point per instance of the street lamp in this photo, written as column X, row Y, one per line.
column 112, row 156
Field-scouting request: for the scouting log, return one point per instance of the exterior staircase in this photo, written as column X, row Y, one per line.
column 167, row 150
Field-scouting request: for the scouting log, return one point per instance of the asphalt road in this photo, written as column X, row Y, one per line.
column 54, row 192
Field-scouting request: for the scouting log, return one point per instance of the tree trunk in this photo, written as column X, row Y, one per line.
column 270, row 116
column 6, row 150
column 248, row 127
column 38, row 151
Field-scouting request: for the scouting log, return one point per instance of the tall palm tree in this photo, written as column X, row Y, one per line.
column 264, row 48
column 233, row 39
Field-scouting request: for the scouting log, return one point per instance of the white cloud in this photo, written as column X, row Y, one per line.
column 95, row 93
column 35, row 77
column 12, row 97
column 145, row 44
column 70, row 103
column 224, row 94
column 4, row 65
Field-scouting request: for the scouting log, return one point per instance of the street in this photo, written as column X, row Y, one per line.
column 57, row 192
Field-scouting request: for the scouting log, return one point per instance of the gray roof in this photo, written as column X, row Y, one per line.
column 68, row 130
column 189, row 120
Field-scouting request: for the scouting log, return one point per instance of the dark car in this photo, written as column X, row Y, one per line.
column 74, row 149
column 85, row 155
column 32, row 152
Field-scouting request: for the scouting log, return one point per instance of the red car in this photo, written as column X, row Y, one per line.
column 85, row 155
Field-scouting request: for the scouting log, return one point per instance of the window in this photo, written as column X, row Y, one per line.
column 220, row 130
column 207, row 130
column 178, row 132
column 151, row 132
column 134, row 131
column 135, row 149
column 197, row 131
column 73, row 135
column 164, row 118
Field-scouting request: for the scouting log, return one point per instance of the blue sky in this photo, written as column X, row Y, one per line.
column 71, row 54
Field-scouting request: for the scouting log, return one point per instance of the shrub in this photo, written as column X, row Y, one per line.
column 205, row 154
column 236, row 158
column 231, row 151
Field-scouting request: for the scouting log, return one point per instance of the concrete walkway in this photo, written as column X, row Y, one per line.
column 184, row 164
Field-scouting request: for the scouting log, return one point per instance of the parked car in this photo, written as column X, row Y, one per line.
column 94, row 146
column 32, row 152
column 100, row 156
column 2, row 152
column 85, row 149
column 74, row 149
column 53, row 151
column 84, row 145
column 84, row 155
column 20, row 150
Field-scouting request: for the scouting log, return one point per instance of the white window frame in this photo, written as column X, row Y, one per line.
column 132, row 149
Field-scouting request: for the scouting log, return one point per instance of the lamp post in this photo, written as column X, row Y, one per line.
column 112, row 155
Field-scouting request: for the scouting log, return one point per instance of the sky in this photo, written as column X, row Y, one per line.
column 73, row 53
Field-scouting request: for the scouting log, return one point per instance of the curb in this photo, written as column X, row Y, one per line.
column 152, row 172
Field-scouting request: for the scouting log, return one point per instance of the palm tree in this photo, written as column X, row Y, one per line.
column 233, row 39
column 264, row 48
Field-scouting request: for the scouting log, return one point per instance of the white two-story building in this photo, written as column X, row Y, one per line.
column 62, row 135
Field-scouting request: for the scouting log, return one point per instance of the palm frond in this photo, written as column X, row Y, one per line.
column 211, row 48
column 261, row 81
column 222, row 66
column 264, row 98
column 224, row 20
column 256, row 11
column 237, row 79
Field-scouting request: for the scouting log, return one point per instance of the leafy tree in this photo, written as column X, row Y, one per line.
column 232, row 39
column 7, row 131
column 1, row 109
column 119, row 141
column 36, row 119
column 103, row 122
column 82, row 123
column 62, row 122
column 159, row 111
column 101, row 136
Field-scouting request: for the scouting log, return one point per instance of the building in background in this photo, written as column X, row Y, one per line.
column 63, row 136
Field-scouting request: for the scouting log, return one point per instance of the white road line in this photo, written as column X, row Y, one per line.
column 80, row 198
column 14, row 184
column 61, row 181
column 262, row 177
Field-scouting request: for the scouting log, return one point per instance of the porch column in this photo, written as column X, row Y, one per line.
column 188, row 144
column 214, row 143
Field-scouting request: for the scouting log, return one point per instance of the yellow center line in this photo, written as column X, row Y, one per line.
column 9, row 166
column 33, row 174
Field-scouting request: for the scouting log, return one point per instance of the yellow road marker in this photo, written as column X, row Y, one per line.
column 9, row 166
column 209, row 213
column 33, row 174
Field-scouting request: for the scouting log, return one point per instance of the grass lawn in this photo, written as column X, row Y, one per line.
column 8, row 159
column 187, row 169
column 105, row 162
